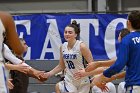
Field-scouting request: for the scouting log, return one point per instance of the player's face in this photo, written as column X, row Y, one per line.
column 69, row 34
column 24, row 45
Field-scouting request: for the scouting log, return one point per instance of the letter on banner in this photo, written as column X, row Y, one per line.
column 55, row 40
column 27, row 25
column 84, row 27
column 110, row 36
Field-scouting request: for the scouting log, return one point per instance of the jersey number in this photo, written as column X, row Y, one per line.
column 71, row 65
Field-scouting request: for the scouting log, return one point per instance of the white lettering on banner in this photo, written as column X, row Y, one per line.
column 110, row 36
column 85, row 28
column 27, row 25
column 54, row 36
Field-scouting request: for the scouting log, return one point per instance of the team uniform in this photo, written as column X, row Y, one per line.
column 73, row 62
column 110, row 85
column 129, row 55
column 3, row 80
column 21, row 84
column 20, row 80
column 121, row 88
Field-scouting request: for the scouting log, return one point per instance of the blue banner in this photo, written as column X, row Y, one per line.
column 44, row 33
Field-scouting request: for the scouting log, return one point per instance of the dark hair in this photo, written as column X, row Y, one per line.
column 76, row 28
column 124, row 32
column 134, row 18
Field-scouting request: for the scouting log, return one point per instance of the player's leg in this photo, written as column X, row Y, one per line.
column 57, row 89
column 84, row 88
column 121, row 88
column 133, row 89
column 136, row 90
column 3, row 80
column 111, row 87
column 66, row 87
column 95, row 89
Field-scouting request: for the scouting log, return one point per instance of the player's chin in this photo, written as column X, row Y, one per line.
column 67, row 40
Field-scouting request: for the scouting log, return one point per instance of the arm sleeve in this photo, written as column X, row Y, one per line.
column 11, row 57
column 120, row 62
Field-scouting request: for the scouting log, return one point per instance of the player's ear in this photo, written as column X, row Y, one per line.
column 75, row 35
column 128, row 23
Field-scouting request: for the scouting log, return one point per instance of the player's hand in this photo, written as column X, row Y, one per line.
column 21, row 68
column 9, row 84
column 91, row 66
column 34, row 73
column 37, row 73
column 44, row 76
column 100, row 82
column 81, row 73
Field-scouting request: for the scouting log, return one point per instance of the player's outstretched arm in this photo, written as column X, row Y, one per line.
column 117, row 76
column 18, row 67
column 82, row 73
column 93, row 65
column 60, row 67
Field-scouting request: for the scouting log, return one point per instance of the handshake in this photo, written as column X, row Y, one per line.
column 37, row 74
column 31, row 72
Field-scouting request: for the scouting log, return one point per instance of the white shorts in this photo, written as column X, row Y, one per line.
column 133, row 89
column 3, row 79
column 67, row 87
column 110, row 85
column 121, row 88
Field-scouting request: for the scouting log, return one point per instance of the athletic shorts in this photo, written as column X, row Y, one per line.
column 3, row 79
column 68, row 87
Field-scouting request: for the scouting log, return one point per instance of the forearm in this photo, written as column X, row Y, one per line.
column 11, row 66
column 57, row 69
column 97, row 71
column 118, row 76
column 115, row 77
column 94, row 65
column 106, row 63
column 33, row 69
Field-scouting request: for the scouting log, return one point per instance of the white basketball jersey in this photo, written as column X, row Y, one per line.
column 2, row 30
column 73, row 59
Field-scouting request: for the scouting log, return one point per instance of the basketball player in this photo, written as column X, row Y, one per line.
column 128, row 56
column 7, row 26
column 98, row 67
column 71, row 53
column 20, row 80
